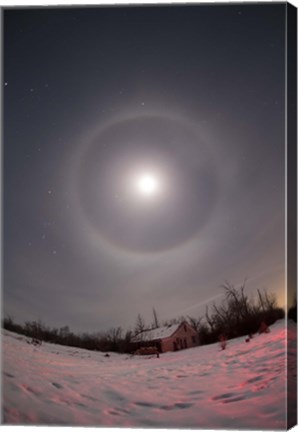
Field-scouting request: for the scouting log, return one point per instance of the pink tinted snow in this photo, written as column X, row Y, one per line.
column 242, row 387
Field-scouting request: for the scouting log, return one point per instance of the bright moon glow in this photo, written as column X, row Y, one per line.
column 147, row 184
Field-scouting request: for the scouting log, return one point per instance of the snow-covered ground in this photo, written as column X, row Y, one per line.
column 242, row 387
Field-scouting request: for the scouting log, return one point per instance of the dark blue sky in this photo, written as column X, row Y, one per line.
column 93, row 98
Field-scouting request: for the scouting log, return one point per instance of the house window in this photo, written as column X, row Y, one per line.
column 185, row 328
column 193, row 338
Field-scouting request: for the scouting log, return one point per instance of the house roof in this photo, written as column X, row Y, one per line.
column 158, row 333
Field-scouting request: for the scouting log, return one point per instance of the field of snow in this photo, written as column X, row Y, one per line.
column 243, row 387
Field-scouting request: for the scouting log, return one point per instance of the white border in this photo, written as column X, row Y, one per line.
column 24, row 3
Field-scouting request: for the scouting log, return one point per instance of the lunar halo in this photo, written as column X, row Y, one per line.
column 132, row 162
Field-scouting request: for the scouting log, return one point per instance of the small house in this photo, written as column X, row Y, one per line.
column 173, row 337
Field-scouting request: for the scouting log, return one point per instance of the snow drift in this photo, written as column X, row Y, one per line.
column 242, row 387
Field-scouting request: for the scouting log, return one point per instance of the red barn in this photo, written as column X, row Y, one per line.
column 170, row 338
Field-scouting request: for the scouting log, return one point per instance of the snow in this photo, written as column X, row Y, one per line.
column 242, row 387
column 158, row 333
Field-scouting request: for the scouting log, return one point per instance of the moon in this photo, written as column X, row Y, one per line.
column 147, row 185
column 140, row 187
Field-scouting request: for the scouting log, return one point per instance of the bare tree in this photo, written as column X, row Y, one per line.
column 155, row 323
column 267, row 301
column 140, row 324
column 195, row 322
column 209, row 319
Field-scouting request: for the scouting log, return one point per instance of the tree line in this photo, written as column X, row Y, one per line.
column 237, row 315
column 114, row 339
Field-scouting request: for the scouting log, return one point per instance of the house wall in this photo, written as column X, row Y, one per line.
column 184, row 337
column 137, row 345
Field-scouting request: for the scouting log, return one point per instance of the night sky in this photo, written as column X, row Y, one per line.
column 143, row 160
